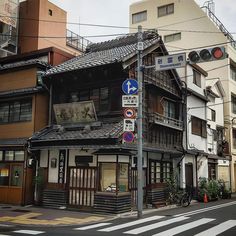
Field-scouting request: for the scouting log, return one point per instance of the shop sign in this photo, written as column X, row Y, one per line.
column 129, row 125
column 61, row 171
column 129, row 100
column 75, row 112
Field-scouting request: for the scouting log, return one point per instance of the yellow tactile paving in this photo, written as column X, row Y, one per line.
column 26, row 219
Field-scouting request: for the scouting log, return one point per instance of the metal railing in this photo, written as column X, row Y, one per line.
column 165, row 120
column 220, row 26
column 75, row 41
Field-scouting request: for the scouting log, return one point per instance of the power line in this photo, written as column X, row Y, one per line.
column 190, row 108
column 121, row 27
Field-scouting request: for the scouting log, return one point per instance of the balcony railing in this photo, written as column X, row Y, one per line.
column 166, row 121
column 75, row 41
column 220, row 26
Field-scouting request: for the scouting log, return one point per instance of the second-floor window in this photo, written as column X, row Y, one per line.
column 139, row 17
column 165, row 10
column 199, row 127
column 213, row 115
column 234, row 138
column 233, row 102
column 15, row 111
column 169, row 109
column 197, row 78
column 172, row 37
column 233, row 72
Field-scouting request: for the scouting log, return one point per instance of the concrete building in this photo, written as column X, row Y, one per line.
column 184, row 26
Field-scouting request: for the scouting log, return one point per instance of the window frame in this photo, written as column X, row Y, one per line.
column 138, row 14
column 233, row 73
column 172, row 37
column 169, row 9
column 197, row 78
column 233, row 103
column 199, row 127
column 10, row 116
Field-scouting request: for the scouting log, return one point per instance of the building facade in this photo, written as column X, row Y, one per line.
column 184, row 26
column 83, row 152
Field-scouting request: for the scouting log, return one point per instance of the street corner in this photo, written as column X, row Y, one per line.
column 43, row 219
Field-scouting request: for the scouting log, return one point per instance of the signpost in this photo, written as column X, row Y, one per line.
column 129, row 100
column 130, row 86
column 129, row 113
column 128, row 137
column 129, row 125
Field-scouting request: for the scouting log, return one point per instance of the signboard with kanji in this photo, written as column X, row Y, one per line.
column 129, row 125
column 130, row 101
column 170, row 62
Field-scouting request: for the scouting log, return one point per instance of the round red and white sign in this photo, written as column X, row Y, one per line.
column 129, row 113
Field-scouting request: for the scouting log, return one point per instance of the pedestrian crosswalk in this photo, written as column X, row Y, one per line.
column 165, row 226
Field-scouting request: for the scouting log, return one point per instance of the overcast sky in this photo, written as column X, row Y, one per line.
column 116, row 13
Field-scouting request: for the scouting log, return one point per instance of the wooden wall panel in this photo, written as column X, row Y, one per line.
column 18, row 79
column 41, row 111
column 15, row 195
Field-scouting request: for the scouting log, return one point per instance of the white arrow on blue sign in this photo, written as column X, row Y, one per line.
column 130, row 86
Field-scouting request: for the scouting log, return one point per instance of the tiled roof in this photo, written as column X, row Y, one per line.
column 18, row 92
column 57, row 132
column 23, row 63
column 14, row 141
column 117, row 50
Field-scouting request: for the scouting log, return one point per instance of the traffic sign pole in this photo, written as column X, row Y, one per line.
column 140, row 125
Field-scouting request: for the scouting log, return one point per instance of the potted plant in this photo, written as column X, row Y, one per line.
column 202, row 188
column 213, row 190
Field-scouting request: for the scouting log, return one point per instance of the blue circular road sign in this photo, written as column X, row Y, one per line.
column 128, row 137
column 130, row 86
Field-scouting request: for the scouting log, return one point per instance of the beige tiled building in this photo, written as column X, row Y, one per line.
column 185, row 26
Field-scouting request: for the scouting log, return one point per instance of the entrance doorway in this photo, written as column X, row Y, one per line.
column 189, row 175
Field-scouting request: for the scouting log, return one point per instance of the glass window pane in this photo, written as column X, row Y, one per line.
column 138, row 17
column 9, row 155
column 4, row 112
column 14, row 112
column 108, row 177
column 123, row 179
column 4, row 174
column 1, row 155
column 16, row 175
column 26, row 111
column 19, row 155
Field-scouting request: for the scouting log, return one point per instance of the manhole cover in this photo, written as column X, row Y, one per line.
column 20, row 210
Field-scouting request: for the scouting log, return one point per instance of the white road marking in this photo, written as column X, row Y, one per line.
column 4, row 235
column 184, row 227
column 92, row 226
column 32, row 232
column 206, row 209
column 136, row 222
column 218, row 229
column 155, row 226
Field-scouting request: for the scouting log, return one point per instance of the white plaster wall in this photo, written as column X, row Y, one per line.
column 78, row 152
column 44, row 158
column 202, row 167
column 53, row 172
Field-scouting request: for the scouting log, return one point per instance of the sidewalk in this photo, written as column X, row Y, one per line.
column 36, row 216
column 30, row 215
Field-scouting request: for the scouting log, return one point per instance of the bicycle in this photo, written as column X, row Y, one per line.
column 180, row 198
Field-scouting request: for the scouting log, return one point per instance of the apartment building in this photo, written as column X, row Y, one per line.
column 184, row 26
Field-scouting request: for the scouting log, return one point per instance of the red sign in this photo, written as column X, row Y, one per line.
column 129, row 113
column 128, row 137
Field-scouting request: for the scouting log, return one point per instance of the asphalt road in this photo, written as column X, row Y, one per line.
column 214, row 218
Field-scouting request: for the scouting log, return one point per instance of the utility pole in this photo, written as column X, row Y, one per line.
column 140, row 123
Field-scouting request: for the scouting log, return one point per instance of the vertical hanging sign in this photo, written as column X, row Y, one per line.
column 61, row 171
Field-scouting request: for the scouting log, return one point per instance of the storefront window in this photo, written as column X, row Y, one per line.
column 4, row 174
column 110, row 179
column 123, row 177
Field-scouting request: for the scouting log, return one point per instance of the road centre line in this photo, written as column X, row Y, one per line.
column 218, row 228
column 155, row 225
column 206, row 209
column 132, row 223
column 184, row 227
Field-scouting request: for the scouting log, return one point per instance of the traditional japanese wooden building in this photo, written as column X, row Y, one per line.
column 81, row 156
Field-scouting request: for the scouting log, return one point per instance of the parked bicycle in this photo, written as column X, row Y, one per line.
column 181, row 198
